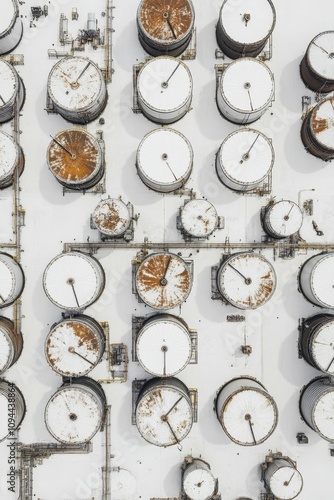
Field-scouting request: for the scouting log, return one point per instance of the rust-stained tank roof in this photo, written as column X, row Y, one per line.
column 322, row 122
column 74, row 156
column 111, row 217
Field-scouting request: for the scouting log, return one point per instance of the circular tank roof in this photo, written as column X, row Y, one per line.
column 320, row 55
column 199, row 218
column 75, row 83
column 79, row 161
column 199, row 484
column 246, row 156
column 322, row 280
column 164, row 84
column 322, row 347
column 8, row 83
column 323, row 414
column 322, row 122
column 6, row 349
column 7, row 278
column 247, row 21
column 247, row 85
column 285, row 218
column 8, row 154
column 111, row 217
column 286, row 483
column 9, row 11
column 122, row 484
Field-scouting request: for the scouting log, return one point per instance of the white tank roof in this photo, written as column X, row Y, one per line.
column 323, row 414
column 199, row 484
column 322, row 122
column 286, row 483
column 247, row 85
column 322, row 347
column 6, row 349
column 64, row 88
column 73, row 415
column 111, row 217
column 152, row 79
column 320, row 54
column 8, row 154
column 164, row 347
column 165, row 156
column 246, row 156
column 261, row 23
column 122, row 484
column 8, row 82
column 9, row 12
column 199, row 218
column 8, row 280
column 285, row 217
column 322, row 280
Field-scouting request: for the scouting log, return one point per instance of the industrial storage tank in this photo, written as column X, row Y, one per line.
column 11, row 344
column 245, row 160
column 164, row 160
column 282, row 479
column 165, row 27
column 317, row 66
column 76, row 159
column 73, row 281
column 12, row 406
column 11, row 160
column 282, row 219
column 317, row 342
column 316, row 278
column 11, row 280
column 198, row 482
column 74, row 346
column 198, row 218
column 12, row 91
column 163, row 280
column 245, row 90
column 112, row 217
column 75, row 412
column 316, row 405
column 246, row 411
column 77, row 90
column 164, row 414
column 244, row 27
column 317, row 130
column 163, row 345
column 246, row 280
column 164, row 87
column 11, row 27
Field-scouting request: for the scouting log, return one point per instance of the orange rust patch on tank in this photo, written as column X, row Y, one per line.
column 109, row 221
column 85, row 335
column 319, row 125
column 154, row 14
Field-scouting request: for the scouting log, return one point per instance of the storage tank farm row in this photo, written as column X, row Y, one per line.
column 166, row 250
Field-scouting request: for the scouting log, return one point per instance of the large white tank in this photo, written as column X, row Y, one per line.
column 198, row 218
column 164, row 160
column 111, row 217
column 163, row 280
column 317, row 66
column 317, row 342
column 74, row 346
column 11, row 344
column 77, row 89
column 282, row 479
column 244, row 159
column 11, row 280
column 164, row 86
column 12, row 408
column 165, row 27
column 11, row 27
column 246, row 280
column 73, row 281
column 163, row 345
column 246, row 411
column 11, row 90
column 282, row 219
column 316, row 279
column 164, row 415
column 244, row 27
column 245, row 90
column 198, row 481
column 76, row 159
column 316, row 406
column 11, row 159
column 317, row 130
column 75, row 412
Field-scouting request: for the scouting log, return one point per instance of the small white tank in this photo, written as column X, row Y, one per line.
column 198, row 218
column 11, row 89
column 11, row 27
column 163, row 345
column 198, row 481
column 11, row 160
column 74, row 413
column 316, row 406
column 76, row 159
column 282, row 219
column 164, row 160
column 74, row 346
column 163, row 280
column 246, row 280
column 245, row 90
column 164, row 86
column 244, row 159
column 282, row 479
column 316, row 280
column 73, row 281
column 11, row 344
column 317, row 66
column 10, row 395
column 317, row 130
column 244, row 27
column 111, row 217
column 11, row 280
column 246, row 411
column 317, row 342
column 77, row 89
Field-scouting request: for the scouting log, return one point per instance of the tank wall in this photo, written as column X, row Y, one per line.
column 10, row 40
